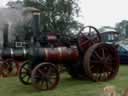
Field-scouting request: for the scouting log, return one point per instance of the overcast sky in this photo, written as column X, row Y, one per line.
column 104, row 12
column 3, row 2
column 99, row 12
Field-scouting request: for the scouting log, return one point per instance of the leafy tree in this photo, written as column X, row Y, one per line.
column 57, row 15
column 23, row 32
column 15, row 4
column 122, row 27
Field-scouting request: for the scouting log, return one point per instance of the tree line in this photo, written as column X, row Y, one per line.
column 57, row 16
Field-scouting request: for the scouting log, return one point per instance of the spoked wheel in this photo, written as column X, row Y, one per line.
column 101, row 62
column 25, row 73
column 45, row 76
column 13, row 67
column 4, row 68
column 8, row 67
column 3, row 73
column 87, row 36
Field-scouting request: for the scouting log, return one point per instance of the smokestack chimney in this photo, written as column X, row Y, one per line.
column 5, row 36
column 36, row 25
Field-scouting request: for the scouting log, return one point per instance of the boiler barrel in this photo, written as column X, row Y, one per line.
column 57, row 55
column 60, row 54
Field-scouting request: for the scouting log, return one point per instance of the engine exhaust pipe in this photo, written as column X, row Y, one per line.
column 5, row 36
column 35, row 26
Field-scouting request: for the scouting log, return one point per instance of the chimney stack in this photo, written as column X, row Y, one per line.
column 5, row 36
column 35, row 25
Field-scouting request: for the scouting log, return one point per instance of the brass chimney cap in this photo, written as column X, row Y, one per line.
column 31, row 10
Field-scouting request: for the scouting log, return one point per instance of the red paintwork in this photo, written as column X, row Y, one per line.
column 61, row 54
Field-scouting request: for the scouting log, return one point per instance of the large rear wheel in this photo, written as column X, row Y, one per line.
column 101, row 62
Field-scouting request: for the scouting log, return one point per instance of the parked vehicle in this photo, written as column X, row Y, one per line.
column 123, row 53
column 110, row 37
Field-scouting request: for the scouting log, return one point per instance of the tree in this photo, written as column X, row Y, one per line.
column 57, row 15
column 23, row 32
column 122, row 27
column 15, row 4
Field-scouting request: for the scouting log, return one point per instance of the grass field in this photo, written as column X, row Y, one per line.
column 67, row 86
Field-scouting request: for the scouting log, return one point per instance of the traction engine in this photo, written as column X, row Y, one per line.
column 87, row 58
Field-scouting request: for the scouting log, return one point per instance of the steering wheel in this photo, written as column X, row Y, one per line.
column 87, row 36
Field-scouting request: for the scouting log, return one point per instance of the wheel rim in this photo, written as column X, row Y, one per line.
column 7, row 67
column 101, row 62
column 25, row 73
column 12, row 67
column 45, row 76
column 88, row 36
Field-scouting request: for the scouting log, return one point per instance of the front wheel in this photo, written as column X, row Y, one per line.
column 45, row 76
column 25, row 73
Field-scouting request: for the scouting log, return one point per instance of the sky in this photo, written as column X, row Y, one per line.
column 104, row 12
column 3, row 2
column 99, row 12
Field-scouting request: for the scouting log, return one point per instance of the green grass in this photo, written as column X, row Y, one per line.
column 67, row 86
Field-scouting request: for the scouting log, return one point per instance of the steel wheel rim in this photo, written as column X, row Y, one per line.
column 45, row 77
column 101, row 70
column 12, row 67
column 85, row 42
column 6, row 67
column 24, row 73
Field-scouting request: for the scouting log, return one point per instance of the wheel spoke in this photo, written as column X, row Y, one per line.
column 97, row 76
column 100, row 76
column 26, row 69
column 109, row 58
column 85, row 42
column 41, row 83
column 47, row 77
column 97, row 55
column 95, row 40
column 41, row 72
column 50, row 82
column 95, row 62
column 49, row 71
column 28, row 79
column 37, row 77
column 90, row 34
column 24, row 75
column 108, row 68
column 103, row 52
column 47, row 84
column 23, row 72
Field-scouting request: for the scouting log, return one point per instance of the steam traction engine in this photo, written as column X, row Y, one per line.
column 8, row 66
column 85, row 57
